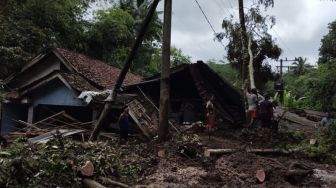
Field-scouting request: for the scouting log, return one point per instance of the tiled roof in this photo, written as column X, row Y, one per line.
column 96, row 70
column 78, row 82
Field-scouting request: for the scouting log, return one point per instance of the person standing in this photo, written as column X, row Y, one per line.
column 327, row 120
column 266, row 112
column 3, row 142
column 210, row 113
column 252, row 101
column 123, row 125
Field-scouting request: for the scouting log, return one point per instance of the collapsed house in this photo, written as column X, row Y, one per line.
column 51, row 83
column 190, row 87
column 61, row 88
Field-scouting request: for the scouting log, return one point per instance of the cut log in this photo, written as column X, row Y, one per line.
column 261, row 175
column 298, row 173
column 112, row 182
column 89, row 183
column 296, row 170
column 209, row 152
column 87, row 169
column 312, row 141
column 162, row 153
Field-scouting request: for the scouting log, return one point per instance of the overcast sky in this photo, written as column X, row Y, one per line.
column 300, row 25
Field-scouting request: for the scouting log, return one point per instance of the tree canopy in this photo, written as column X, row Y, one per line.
column 263, row 44
column 30, row 27
column 327, row 51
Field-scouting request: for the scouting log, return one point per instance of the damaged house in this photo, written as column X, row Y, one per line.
column 190, row 87
column 53, row 82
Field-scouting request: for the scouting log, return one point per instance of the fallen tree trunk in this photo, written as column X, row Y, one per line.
column 89, row 183
column 112, row 182
column 250, row 66
column 209, row 152
column 297, row 119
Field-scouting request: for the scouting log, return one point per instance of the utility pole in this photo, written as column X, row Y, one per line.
column 280, row 85
column 281, row 65
column 165, row 72
column 112, row 97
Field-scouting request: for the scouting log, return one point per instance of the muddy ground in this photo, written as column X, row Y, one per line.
column 239, row 169
column 182, row 164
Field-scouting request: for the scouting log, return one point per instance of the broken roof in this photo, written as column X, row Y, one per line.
column 228, row 100
column 95, row 70
column 77, row 82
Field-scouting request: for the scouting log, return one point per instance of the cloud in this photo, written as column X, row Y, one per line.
column 300, row 26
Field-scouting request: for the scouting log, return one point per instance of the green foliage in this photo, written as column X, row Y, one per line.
column 47, row 165
column 263, row 45
column 32, row 27
column 324, row 89
column 28, row 27
column 328, row 43
column 226, row 71
column 317, row 86
column 325, row 147
column 111, row 35
column 177, row 58
column 300, row 66
column 152, row 41
column 300, row 89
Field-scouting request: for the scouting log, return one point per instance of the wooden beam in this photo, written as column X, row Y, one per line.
column 209, row 152
column 165, row 72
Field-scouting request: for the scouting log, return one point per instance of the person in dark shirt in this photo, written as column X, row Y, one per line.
column 3, row 142
column 266, row 112
column 123, row 125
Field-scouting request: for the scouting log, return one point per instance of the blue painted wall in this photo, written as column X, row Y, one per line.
column 55, row 93
column 10, row 112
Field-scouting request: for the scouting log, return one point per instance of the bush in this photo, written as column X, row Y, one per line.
column 325, row 148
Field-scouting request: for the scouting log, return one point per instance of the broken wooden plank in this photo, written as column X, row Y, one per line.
column 144, row 130
column 156, row 108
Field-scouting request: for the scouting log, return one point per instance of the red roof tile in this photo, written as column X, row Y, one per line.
column 96, row 70
column 78, row 82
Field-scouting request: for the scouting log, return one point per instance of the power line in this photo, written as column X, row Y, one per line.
column 229, row 10
column 207, row 19
column 283, row 42
column 220, row 6
column 205, row 16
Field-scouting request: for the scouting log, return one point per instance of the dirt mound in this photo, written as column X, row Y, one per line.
column 171, row 173
column 239, row 169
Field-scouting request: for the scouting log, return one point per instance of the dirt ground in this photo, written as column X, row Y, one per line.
column 239, row 169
